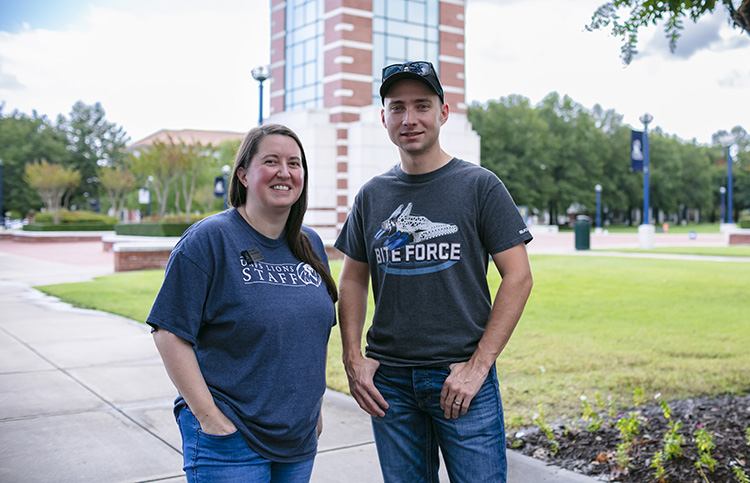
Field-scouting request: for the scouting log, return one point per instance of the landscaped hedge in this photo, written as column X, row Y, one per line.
column 744, row 222
column 84, row 226
column 79, row 216
column 152, row 229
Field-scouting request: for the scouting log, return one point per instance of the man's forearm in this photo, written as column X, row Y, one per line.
column 353, row 287
column 352, row 313
column 510, row 300
column 506, row 312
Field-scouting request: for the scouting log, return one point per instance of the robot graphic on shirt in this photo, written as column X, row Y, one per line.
column 402, row 228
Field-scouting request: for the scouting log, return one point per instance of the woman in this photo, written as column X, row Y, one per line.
column 242, row 322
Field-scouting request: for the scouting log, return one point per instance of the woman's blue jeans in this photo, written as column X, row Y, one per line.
column 228, row 458
column 414, row 426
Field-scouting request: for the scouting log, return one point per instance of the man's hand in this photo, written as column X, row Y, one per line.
column 460, row 387
column 360, row 373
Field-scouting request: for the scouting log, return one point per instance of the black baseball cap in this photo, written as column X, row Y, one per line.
column 420, row 70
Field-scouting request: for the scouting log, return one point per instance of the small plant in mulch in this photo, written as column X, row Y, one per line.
column 701, row 440
column 552, row 443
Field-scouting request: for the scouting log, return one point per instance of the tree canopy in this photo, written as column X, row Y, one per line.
column 52, row 181
column 26, row 139
column 92, row 141
column 672, row 12
column 551, row 156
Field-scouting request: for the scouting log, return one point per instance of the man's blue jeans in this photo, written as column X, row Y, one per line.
column 414, row 426
column 228, row 459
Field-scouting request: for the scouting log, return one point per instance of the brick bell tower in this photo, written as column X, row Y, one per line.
column 326, row 62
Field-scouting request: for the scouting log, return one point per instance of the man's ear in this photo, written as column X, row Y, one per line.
column 382, row 116
column 444, row 111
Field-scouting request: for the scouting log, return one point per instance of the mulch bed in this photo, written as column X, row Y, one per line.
column 594, row 454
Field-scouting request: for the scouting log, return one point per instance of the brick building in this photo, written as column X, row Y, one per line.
column 326, row 62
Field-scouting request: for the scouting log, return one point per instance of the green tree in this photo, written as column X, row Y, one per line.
column 514, row 139
column 739, row 138
column 622, row 190
column 118, row 182
column 552, row 155
column 24, row 139
column 645, row 12
column 51, row 181
column 695, row 173
column 741, row 175
column 156, row 162
column 666, row 172
column 575, row 162
column 194, row 163
column 92, row 141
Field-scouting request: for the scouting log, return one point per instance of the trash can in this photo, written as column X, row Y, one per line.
column 582, row 228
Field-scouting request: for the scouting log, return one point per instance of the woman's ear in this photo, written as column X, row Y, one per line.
column 242, row 176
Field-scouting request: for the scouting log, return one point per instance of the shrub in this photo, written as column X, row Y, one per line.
column 152, row 229
column 181, row 218
column 79, row 216
column 84, row 226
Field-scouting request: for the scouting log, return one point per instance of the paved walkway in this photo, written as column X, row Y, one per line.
column 84, row 396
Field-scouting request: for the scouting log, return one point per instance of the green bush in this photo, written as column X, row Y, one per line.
column 181, row 218
column 80, row 216
column 745, row 222
column 85, row 226
column 152, row 229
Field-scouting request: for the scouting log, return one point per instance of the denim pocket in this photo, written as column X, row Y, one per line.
column 219, row 447
column 218, row 436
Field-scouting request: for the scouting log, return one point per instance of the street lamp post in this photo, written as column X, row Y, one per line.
column 728, row 141
column 646, row 230
column 260, row 74
column 730, row 215
column 149, row 180
column 723, row 192
column 225, row 172
column 2, row 215
column 598, row 189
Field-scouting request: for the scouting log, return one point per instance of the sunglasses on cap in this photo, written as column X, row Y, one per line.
column 421, row 70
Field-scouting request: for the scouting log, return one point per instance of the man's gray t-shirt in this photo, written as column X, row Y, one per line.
column 427, row 239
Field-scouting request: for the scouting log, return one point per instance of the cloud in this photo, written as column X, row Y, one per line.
column 700, row 35
column 711, row 32
column 736, row 80
column 151, row 67
column 9, row 81
column 157, row 64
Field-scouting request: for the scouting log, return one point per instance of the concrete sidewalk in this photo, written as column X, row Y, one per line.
column 84, row 397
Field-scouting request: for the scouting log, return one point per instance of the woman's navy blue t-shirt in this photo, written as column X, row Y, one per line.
column 259, row 330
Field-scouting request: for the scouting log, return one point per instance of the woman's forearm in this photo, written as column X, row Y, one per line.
column 182, row 367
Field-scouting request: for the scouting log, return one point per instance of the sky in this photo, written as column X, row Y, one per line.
column 185, row 64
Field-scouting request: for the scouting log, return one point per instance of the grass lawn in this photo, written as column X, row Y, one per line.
column 727, row 251
column 592, row 324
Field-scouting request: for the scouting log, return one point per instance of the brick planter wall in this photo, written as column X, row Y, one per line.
column 142, row 255
column 739, row 238
column 126, row 261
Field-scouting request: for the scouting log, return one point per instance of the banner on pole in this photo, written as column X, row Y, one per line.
column 636, row 150
column 219, row 187
column 144, row 196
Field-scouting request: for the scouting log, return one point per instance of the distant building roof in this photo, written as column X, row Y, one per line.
column 189, row 136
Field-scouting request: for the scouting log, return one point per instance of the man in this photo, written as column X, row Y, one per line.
column 424, row 232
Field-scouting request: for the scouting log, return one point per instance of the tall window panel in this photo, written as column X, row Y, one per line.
column 403, row 30
column 303, row 87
